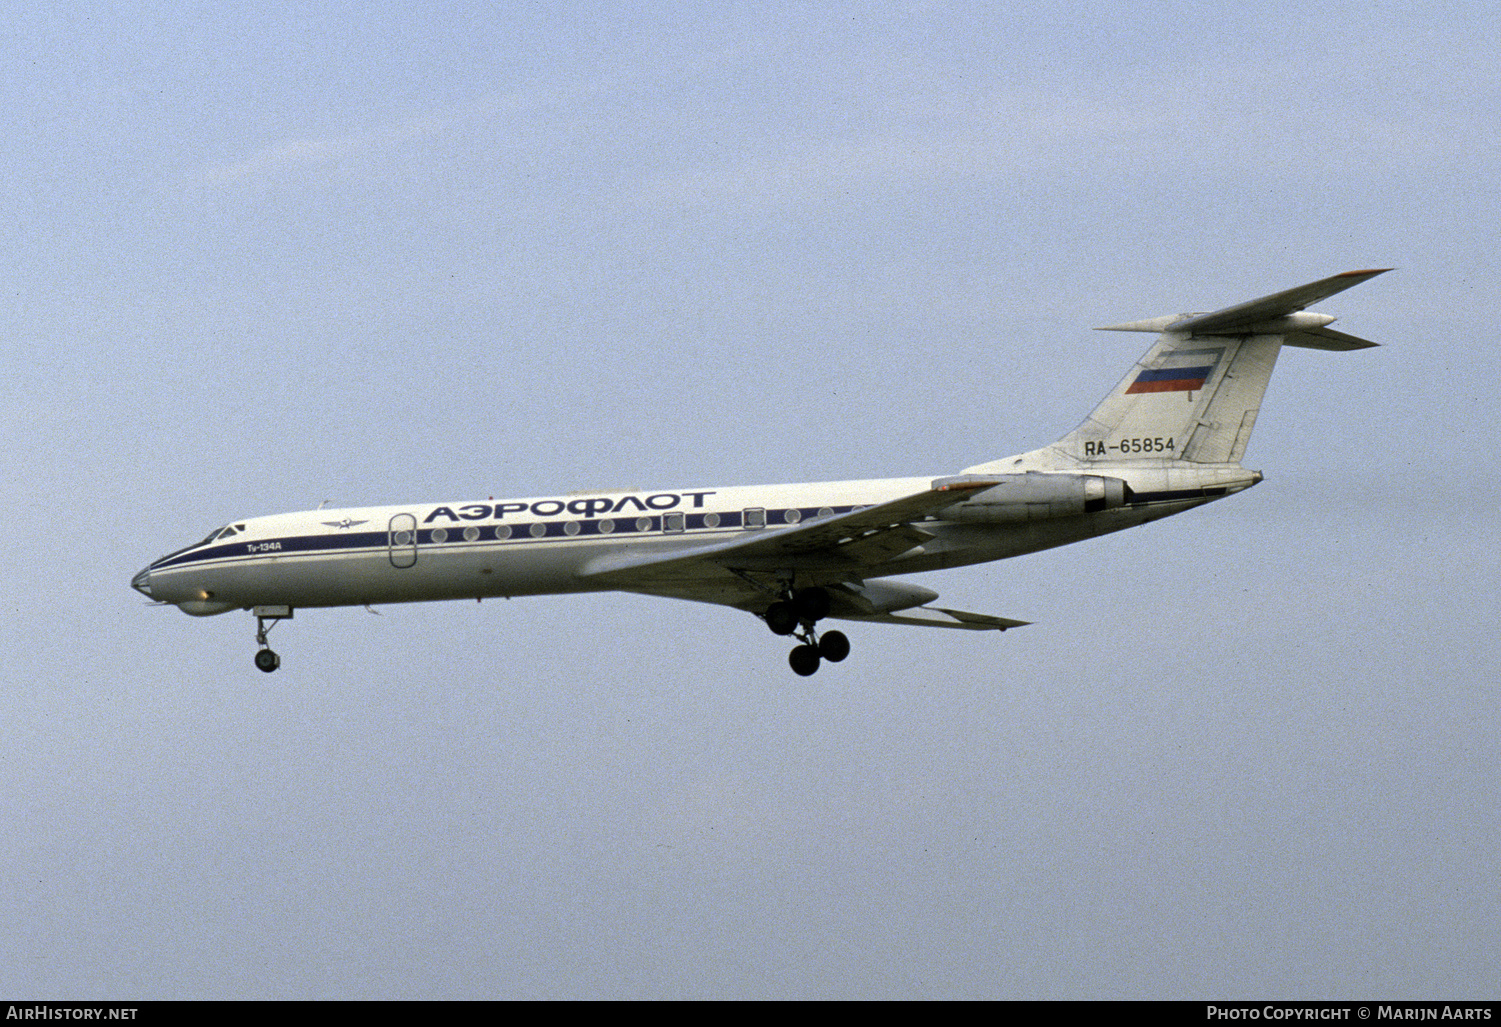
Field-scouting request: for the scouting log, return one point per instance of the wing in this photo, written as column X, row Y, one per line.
column 845, row 541
column 835, row 551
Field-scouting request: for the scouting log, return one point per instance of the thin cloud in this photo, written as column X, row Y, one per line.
column 302, row 154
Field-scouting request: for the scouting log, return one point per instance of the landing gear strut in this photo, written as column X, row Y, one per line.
column 265, row 658
column 795, row 614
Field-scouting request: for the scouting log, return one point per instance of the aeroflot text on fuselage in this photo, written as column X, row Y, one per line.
column 590, row 507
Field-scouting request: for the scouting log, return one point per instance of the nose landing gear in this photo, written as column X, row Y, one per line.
column 796, row 614
column 265, row 658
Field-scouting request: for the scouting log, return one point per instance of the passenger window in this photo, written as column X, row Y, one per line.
column 755, row 517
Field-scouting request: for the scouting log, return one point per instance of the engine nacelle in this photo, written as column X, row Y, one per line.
column 1039, row 496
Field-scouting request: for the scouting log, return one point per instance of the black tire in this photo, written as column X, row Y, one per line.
column 833, row 646
column 781, row 618
column 812, row 603
column 804, row 660
column 267, row 660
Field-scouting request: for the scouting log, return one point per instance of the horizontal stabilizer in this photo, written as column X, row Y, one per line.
column 1280, row 313
column 1327, row 338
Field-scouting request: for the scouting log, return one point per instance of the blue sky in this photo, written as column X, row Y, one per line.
column 379, row 253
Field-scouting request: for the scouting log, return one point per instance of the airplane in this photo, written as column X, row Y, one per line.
column 1169, row 437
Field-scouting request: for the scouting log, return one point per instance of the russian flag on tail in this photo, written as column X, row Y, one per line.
column 1184, row 371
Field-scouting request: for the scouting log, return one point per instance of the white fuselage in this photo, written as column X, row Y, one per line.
column 542, row 545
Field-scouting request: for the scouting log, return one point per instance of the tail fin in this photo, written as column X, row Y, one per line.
column 1194, row 396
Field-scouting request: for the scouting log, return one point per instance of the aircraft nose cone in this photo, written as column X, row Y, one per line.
column 142, row 582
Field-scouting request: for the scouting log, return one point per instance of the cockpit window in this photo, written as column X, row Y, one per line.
column 218, row 533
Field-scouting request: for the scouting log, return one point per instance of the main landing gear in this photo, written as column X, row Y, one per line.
column 265, row 658
column 795, row 615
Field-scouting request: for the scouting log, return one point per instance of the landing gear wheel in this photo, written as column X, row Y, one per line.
column 804, row 660
column 266, row 618
column 833, row 646
column 782, row 618
column 812, row 603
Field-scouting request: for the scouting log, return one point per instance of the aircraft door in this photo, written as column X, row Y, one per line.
column 403, row 540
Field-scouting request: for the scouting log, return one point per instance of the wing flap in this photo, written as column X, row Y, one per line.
column 938, row 617
column 886, row 544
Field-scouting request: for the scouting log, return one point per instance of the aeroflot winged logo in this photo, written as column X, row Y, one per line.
column 345, row 523
column 1183, row 371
